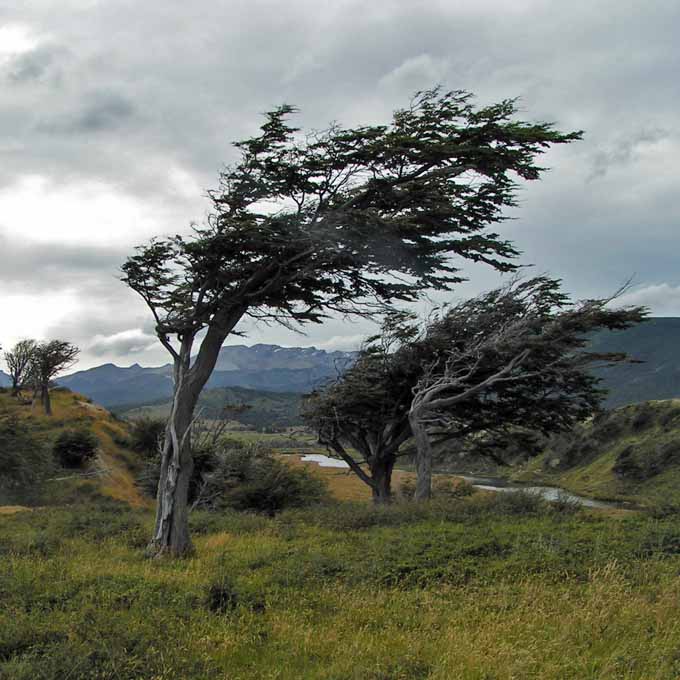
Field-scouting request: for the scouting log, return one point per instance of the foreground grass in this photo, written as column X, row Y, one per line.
column 485, row 587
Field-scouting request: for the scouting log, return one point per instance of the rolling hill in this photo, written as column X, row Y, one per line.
column 631, row 454
column 263, row 409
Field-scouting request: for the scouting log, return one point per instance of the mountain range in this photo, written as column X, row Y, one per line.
column 270, row 368
column 265, row 368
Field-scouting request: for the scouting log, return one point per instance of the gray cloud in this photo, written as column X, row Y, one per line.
column 43, row 267
column 101, row 112
column 35, row 65
column 148, row 94
column 123, row 343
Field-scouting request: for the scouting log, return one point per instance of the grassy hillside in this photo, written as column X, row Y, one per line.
column 110, row 474
column 629, row 454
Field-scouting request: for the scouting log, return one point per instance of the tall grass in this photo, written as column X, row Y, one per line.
column 469, row 588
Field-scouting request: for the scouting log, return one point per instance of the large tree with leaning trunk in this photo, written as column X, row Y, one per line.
column 337, row 221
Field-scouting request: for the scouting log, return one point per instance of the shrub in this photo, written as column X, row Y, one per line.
column 517, row 503
column 146, row 434
column 24, row 460
column 642, row 418
column 253, row 479
column 246, row 479
column 641, row 464
column 447, row 488
column 73, row 448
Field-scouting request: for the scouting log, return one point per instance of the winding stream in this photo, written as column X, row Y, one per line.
column 550, row 493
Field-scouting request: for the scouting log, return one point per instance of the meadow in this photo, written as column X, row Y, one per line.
column 470, row 585
column 492, row 587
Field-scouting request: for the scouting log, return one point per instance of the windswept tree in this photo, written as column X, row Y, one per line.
column 18, row 361
column 362, row 417
column 499, row 366
column 337, row 221
column 49, row 359
column 517, row 360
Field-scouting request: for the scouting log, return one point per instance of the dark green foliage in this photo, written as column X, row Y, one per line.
column 363, row 216
column 253, row 479
column 642, row 464
column 74, row 448
column 643, row 418
column 24, row 459
column 225, row 596
column 243, row 478
column 494, row 374
column 222, row 597
column 146, row 435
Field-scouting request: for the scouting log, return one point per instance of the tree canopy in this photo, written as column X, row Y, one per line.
column 342, row 220
column 47, row 361
column 512, row 360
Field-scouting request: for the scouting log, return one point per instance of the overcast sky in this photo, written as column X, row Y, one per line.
column 117, row 116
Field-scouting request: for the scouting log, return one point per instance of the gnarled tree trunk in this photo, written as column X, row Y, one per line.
column 45, row 399
column 381, row 479
column 423, row 458
column 171, row 531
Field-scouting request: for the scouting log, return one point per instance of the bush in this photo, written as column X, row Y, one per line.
column 146, row 434
column 641, row 464
column 447, row 488
column 253, row 479
column 246, row 479
column 74, row 448
column 517, row 503
column 24, row 461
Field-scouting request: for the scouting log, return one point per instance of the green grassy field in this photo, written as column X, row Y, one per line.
column 483, row 587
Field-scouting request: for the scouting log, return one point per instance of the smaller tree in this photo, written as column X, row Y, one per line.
column 516, row 358
column 49, row 359
column 504, row 365
column 363, row 416
column 18, row 361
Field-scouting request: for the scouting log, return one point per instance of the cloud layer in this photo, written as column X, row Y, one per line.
column 116, row 117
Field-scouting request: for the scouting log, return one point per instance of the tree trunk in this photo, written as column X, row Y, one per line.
column 423, row 459
column 381, row 477
column 171, row 532
column 45, row 399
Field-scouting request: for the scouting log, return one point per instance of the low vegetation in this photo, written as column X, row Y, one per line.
column 631, row 454
column 478, row 587
column 242, row 476
column 469, row 585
